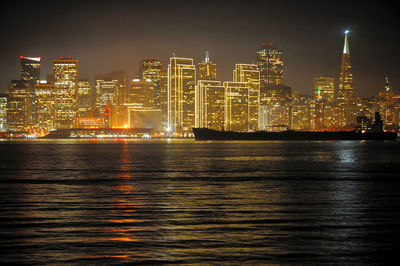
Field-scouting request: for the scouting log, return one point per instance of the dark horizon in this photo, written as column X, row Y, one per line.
column 116, row 35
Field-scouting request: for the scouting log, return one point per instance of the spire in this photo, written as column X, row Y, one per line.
column 346, row 43
column 207, row 59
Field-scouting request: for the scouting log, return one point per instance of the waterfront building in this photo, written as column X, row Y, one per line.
column 19, row 105
column 45, row 102
column 164, row 99
column 117, row 80
column 181, row 94
column 3, row 112
column 249, row 74
column 210, row 104
column 150, row 69
column 65, row 75
column 207, row 70
column 236, row 106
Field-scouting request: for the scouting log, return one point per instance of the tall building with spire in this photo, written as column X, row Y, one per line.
column 207, row 70
column 345, row 95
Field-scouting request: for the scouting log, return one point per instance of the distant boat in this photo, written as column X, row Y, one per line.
column 210, row 134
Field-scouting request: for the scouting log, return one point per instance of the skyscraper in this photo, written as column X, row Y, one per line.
column 324, row 89
column 345, row 96
column 3, row 112
column 249, row 74
column 210, row 104
column 236, row 106
column 207, row 70
column 150, row 69
column 181, row 94
column 30, row 69
column 142, row 92
column 118, row 111
column 19, row 105
column 65, row 75
column 345, row 93
column 45, row 105
column 270, row 64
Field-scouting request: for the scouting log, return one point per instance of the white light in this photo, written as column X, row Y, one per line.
column 346, row 31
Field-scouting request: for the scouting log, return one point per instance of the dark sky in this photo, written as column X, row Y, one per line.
column 115, row 35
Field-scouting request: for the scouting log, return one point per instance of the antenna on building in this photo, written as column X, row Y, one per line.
column 207, row 59
column 173, row 55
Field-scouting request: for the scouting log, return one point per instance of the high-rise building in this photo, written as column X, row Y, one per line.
column 386, row 104
column 236, row 106
column 210, row 104
column 181, row 94
column 345, row 93
column 3, row 112
column 118, row 111
column 324, row 89
column 19, row 105
column 249, row 74
column 45, row 101
column 84, row 96
column 207, row 70
column 30, row 69
column 150, row 69
column 142, row 92
column 164, row 98
column 345, row 96
column 106, row 92
column 270, row 64
column 65, row 75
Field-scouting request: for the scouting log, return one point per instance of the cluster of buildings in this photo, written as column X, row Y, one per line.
column 175, row 98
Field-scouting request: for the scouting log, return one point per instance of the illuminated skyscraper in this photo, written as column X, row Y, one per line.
column 386, row 103
column 150, row 69
column 65, row 75
column 30, row 69
column 19, row 105
column 324, row 89
column 118, row 111
column 207, row 70
column 106, row 90
column 45, row 105
column 3, row 112
column 84, row 97
column 270, row 64
column 164, row 98
column 249, row 74
column 236, row 106
column 210, row 104
column 345, row 93
column 181, row 94
column 141, row 91
column 345, row 96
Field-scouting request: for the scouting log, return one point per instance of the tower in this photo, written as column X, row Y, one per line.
column 345, row 93
column 181, row 94
column 207, row 69
column 65, row 75
column 270, row 65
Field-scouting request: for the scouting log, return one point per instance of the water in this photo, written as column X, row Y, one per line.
column 181, row 201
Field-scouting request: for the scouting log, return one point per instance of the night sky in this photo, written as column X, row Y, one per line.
column 115, row 35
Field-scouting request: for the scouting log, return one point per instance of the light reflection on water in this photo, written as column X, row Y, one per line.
column 181, row 201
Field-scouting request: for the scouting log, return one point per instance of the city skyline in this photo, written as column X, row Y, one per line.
column 130, row 35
